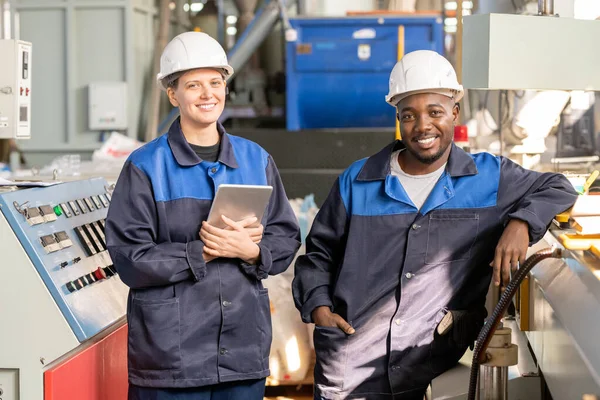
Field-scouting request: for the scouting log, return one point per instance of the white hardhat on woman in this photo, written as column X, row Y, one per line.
column 191, row 50
column 423, row 71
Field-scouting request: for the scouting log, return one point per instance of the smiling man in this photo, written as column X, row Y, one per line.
column 408, row 236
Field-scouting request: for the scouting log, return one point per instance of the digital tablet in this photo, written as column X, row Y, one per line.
column 238, row 202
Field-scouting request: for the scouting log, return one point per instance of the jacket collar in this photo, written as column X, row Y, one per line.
column 377, row 166
column 186, row 157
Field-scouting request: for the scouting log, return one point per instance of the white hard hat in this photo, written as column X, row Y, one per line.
column 423, row 71
column 191, row 50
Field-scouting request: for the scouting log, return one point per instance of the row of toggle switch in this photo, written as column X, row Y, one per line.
column 92, row 237
column 95, row 276
column 85, row 205
column 46, row 213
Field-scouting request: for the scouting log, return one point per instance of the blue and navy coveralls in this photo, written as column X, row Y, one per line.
column 191, row 323
column 393, row 271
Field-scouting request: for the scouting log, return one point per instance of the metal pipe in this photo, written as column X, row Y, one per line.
column 493, row 383
column 546, row 7
column 159, row 45
column 220, row 23
column 301, row 7
column 254, row 35
column 6, row 23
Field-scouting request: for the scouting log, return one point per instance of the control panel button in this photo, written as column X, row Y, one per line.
column 74, row 208
column 48, row 213
column 71, row 287
column 49, row 243
column 66, row 210
column 99, row 233
column 99, row 274
column 89, row 231
column 34, row 216
column 104, row 200
column 89, row 203
column 82, row 206
column 110, row 271
column 97, row 202
column 85, row 241
column 102, row 225
column 63, row 239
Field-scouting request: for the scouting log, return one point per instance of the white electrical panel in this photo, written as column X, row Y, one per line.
column 107, row 106
column 506, row 51
column 15, row 89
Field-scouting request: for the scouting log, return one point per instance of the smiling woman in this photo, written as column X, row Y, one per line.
column 199, row 317
column 200, row 96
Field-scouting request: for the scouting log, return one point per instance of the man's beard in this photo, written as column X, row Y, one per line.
column 429, row 159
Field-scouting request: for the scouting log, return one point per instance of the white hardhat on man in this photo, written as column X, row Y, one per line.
column 423, row 71
column 191, row 50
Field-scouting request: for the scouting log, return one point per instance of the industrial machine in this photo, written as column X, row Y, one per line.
column 63, row 333
column 338, row 68
column 15, row 89
column 555, row 328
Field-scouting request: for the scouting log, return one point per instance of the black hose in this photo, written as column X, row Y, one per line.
column 486, row 333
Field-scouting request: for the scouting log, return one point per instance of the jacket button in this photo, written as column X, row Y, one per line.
column 395, row 367
column 408, row 275
column 415, row 226
column 226, row 303
column 213, row 170
column 223, row 351
column 398, row 321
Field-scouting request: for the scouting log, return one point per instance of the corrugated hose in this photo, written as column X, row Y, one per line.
column 486, row 333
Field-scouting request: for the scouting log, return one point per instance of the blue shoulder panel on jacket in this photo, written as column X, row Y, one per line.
column 477, row 191
column 253, row 161
column 379, row 197
column 369, row 197
column 171, row 181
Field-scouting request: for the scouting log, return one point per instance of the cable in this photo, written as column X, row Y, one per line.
column 486, row 333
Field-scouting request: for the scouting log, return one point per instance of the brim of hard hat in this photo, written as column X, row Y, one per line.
column 457, row 94
column 227, row 68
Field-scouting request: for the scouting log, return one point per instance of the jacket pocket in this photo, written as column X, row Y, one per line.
column 447, row 349
column 451, row 237
column 154, row 334
column 264, row 326
column 330, row 348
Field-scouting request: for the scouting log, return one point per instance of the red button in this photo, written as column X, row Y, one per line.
column 27, row 92
column 99, row 274
column 21, row 91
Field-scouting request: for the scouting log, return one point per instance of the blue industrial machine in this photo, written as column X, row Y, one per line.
column 338, row 68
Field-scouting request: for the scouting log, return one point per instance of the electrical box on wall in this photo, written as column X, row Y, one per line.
column 513, row 52
column 108, row 106
column 15, row 89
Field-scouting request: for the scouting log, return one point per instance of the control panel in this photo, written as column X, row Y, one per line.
column 62, row 230
column 15, row 89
